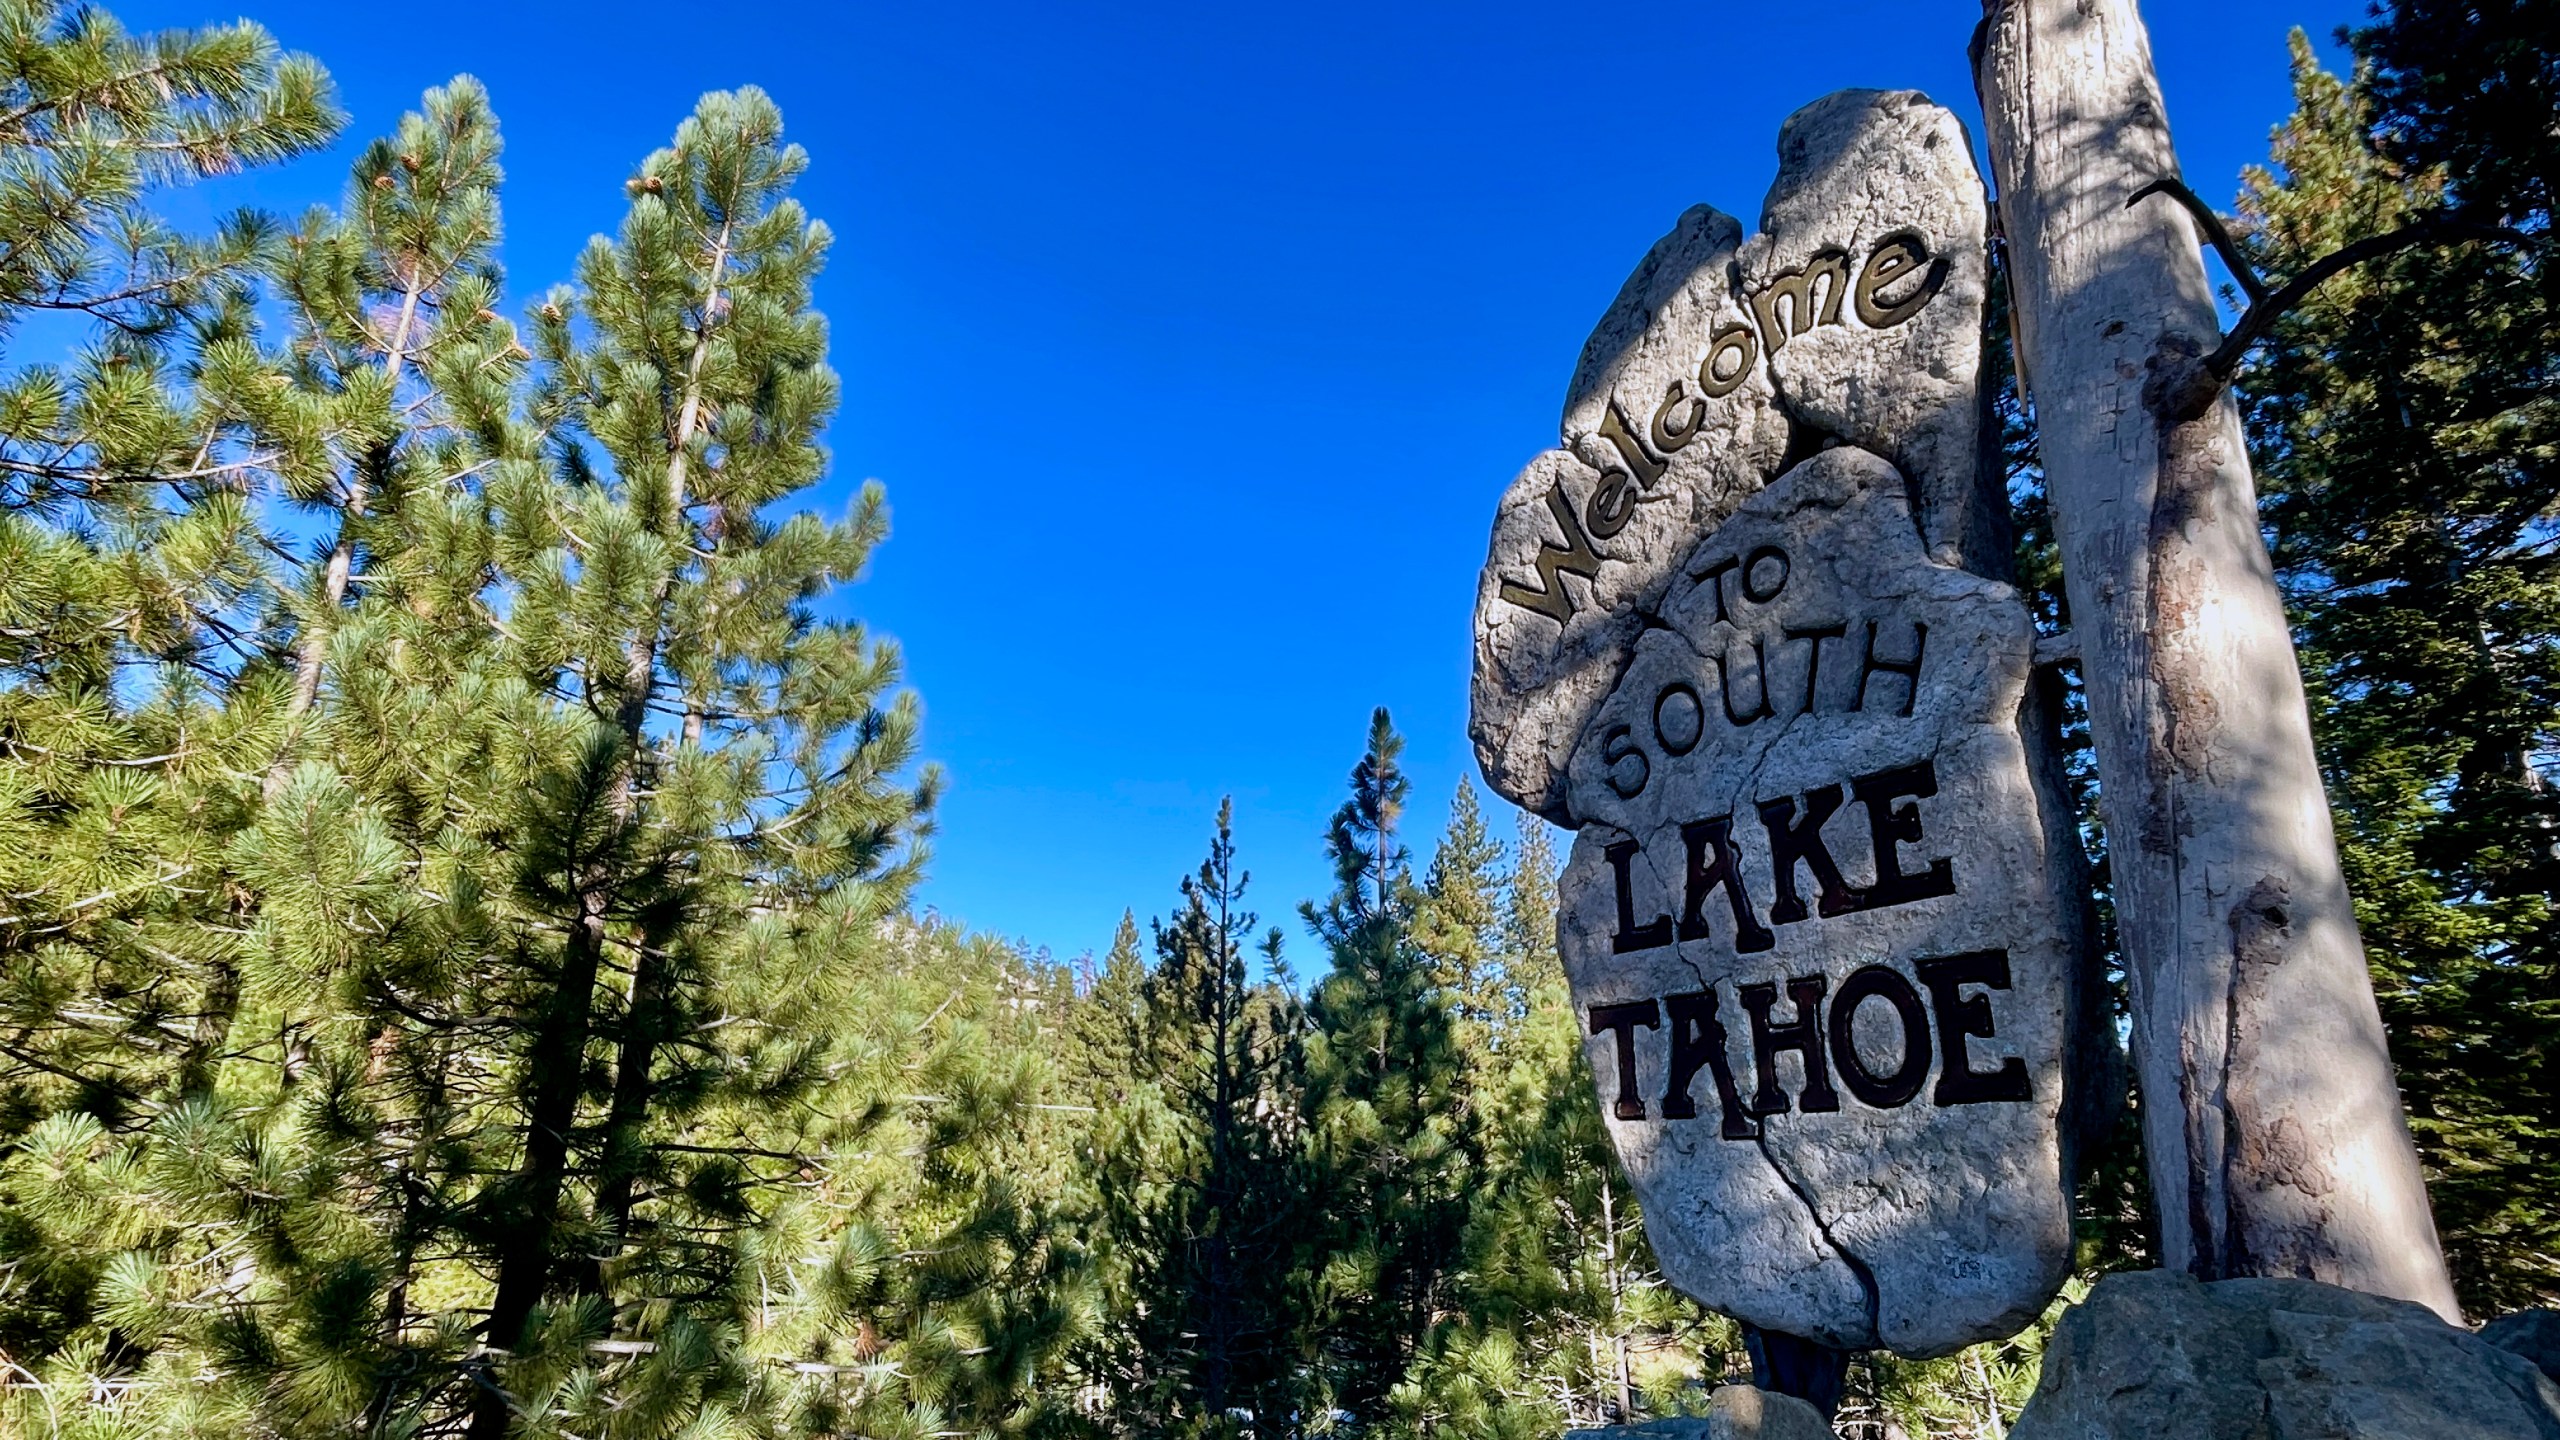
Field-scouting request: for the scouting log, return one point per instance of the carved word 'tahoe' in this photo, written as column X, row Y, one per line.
column 1812, row 915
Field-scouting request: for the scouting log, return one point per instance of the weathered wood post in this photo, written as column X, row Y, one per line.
column 2273, row 1126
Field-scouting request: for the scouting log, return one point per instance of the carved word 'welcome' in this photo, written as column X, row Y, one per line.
column 1790, row 303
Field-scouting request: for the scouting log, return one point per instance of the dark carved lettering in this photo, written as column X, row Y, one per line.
column 1651, row 935
column 1716, row 836
column 1751, row 567
column 1794, row 841
column 1698, row 1038
column 1618, row 743
column 1667, row 437
column 1714, row 576
column 1885, row 1092
column 1760, row 669
column 1961, row 1015
column 1574, row 557
column 1803, row 1035
column 1909, row 669
column 1643, row 467
column 1890, row 825
column 1612, row 505
column 1895, row 256
column 1697, row 718
column 1799, row 290
column 1813, row 660
column 1790, row 304
column 1621, row 1021
column 1715, row 379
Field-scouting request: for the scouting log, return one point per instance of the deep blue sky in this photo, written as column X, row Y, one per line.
column 1195, row 342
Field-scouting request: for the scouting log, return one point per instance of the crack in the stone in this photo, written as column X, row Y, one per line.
column 1857, row 1267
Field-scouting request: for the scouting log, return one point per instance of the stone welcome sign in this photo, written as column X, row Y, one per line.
column 1742, row 633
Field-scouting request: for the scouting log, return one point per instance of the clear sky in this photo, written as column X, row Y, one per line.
column 1194, row 342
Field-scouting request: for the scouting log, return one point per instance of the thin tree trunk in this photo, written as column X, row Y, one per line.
column 634, row 1087
column 524, row 1265
column 1617, row 1301
column 635, row 1060
column 556, row 1061
column 2270, row 1116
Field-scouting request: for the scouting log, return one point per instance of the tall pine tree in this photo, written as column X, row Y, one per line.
column 1391, row 1145
column 1195, row 1171
column 2404, row 417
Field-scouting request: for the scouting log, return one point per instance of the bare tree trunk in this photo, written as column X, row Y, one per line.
column 557, row 1062
column 645, row 1027
column 1617, row 1302
column 2270, row 1116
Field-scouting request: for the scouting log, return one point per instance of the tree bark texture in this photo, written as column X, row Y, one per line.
column 2271, row 1118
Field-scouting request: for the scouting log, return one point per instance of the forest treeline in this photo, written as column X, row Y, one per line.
column 458, row 974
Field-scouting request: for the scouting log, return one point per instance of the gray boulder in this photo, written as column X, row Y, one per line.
column 2156, row 1356
column 1735, row 1412
column 2533, row 1334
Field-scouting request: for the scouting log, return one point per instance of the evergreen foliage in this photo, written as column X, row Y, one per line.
column 1194, row 1162
column 457, row 965
column 1556, row 1289
column 1391, row 1141
column 2406, row 432
column 463, row 968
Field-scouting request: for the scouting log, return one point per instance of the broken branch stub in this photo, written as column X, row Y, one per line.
column 1745, row 631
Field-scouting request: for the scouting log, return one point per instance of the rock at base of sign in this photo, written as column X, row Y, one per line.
column 2152, row 1354
column 1736, row 1412
column 2533, row 1334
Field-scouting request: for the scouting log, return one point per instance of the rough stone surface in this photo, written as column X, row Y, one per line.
column 1735, row 1412
column 2533, row 1334
column 1855, row 168
column 2151, row 1354
column 1706, row 376
column 1919, row 1220
column 1711, row 600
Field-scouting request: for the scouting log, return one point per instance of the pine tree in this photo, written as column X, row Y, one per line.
column 397, row 336
column 1391, row 1145
column 1195, row 1173
column 742, row 774
column 131, row 574
column 131, row 559
column 2404, row 419
column 300, row 1177
column 775, row 1155
column 1457, row 923
column 1557, row 1289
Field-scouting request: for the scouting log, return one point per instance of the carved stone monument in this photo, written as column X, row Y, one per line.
column 1745, row 633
